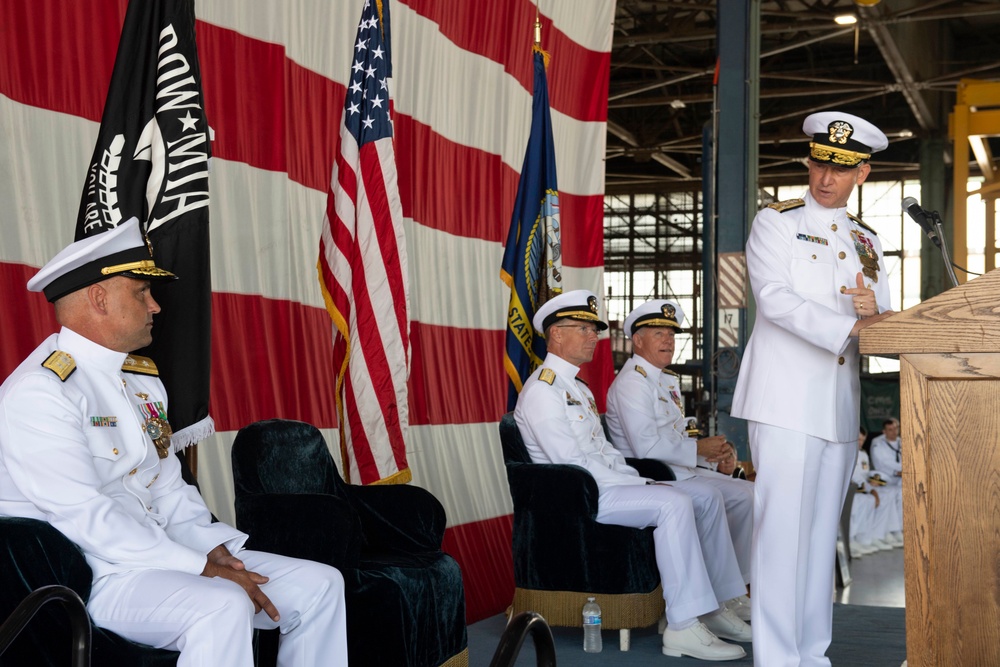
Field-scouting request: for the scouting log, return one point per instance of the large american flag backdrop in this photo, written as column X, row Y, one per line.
column 274, row 79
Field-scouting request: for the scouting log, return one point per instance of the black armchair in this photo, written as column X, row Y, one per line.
column 405, row 599
column 34, row 554
column 562, row 554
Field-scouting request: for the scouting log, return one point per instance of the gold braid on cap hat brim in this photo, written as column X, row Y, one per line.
column 145, row 267
column 578, row 315
column 656, row 322
column 841, row 156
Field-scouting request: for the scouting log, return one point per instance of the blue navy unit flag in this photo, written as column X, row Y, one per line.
column 532, row 261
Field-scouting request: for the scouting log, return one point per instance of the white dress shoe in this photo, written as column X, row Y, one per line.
column 895, row 539
column 858, row 550
column 699, row 642
column 882, row 546
column 725, row 624
column 741, row 607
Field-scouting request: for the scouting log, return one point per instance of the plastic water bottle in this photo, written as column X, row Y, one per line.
column 592, row 627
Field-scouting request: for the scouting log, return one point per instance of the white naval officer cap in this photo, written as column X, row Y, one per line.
column 577, row 304
column 655, row 313
column 122, row 251
column 842, row 138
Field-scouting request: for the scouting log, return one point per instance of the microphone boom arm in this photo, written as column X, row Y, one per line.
column 944, row 248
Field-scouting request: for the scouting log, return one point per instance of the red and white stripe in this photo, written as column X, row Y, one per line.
column 274, row 81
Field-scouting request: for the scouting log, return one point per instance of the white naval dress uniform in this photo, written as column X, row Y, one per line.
column 74, row 453
column 868, row 522
column 646, row 420
column 887, row 461
column 799, row 388
column 558, row 420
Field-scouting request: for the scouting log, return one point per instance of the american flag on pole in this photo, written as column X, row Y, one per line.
column 362, row 269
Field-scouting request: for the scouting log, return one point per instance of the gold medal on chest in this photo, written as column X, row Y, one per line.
column 159, row 432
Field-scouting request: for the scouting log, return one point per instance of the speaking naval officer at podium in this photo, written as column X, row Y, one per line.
column 84, row 445
column 818, row 277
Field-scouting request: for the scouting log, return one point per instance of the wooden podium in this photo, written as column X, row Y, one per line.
column 949, row 352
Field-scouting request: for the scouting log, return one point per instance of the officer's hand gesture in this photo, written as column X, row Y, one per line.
column 223, row 564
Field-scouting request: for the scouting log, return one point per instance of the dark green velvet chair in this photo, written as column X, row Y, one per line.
column 34, row 554
column 562, row 554
column 405, row 599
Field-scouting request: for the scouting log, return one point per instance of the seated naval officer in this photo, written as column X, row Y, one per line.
column 646, row 420
column 84, row 445
column 558, row 419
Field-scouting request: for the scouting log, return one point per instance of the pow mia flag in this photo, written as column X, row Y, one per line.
column 151, row 161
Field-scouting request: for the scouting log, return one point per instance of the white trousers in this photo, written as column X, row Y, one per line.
column 862, row 518
column 210, row 621
column 892, row 499
column 738, row 497
column 874, row 524
column 694, row 555
column 798, row 496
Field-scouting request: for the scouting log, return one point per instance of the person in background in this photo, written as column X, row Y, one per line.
column 887, row 464
column 869, row 514
column 557, row 416
column 818, row 278
column 85, row 446
column 887, row 452
column 646, row 420
column 728, row 464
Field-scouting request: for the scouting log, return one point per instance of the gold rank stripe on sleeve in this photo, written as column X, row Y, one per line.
column 61, row 363
column 142, row 365
column 548, row 376
column 787, row 205
column 859, row 222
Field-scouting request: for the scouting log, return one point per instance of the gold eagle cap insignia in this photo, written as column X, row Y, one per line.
column 840, row 131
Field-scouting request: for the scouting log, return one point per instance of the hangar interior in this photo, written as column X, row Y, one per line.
column 925, row 71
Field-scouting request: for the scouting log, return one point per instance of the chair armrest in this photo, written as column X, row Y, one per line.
column 553, row 489
column 653, row 469
column 34, row 555
column 398, row 517
column 313, row 526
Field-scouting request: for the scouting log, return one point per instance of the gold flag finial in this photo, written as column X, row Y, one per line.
column 538, row 28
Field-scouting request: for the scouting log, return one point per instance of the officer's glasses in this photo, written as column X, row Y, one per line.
column 584, row 329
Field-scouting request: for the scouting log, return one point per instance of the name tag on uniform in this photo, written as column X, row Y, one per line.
column 812, row 239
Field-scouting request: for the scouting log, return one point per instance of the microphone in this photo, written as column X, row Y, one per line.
column 922, row 218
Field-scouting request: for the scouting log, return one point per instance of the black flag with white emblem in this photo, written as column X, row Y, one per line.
column 151, row 161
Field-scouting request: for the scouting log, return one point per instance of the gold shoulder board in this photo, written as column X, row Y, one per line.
column 61, row 363
column 787, row 205
column 860, row 223
column 547, row 376
column 670, row 372
column 136, row 364
column 641, row 370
